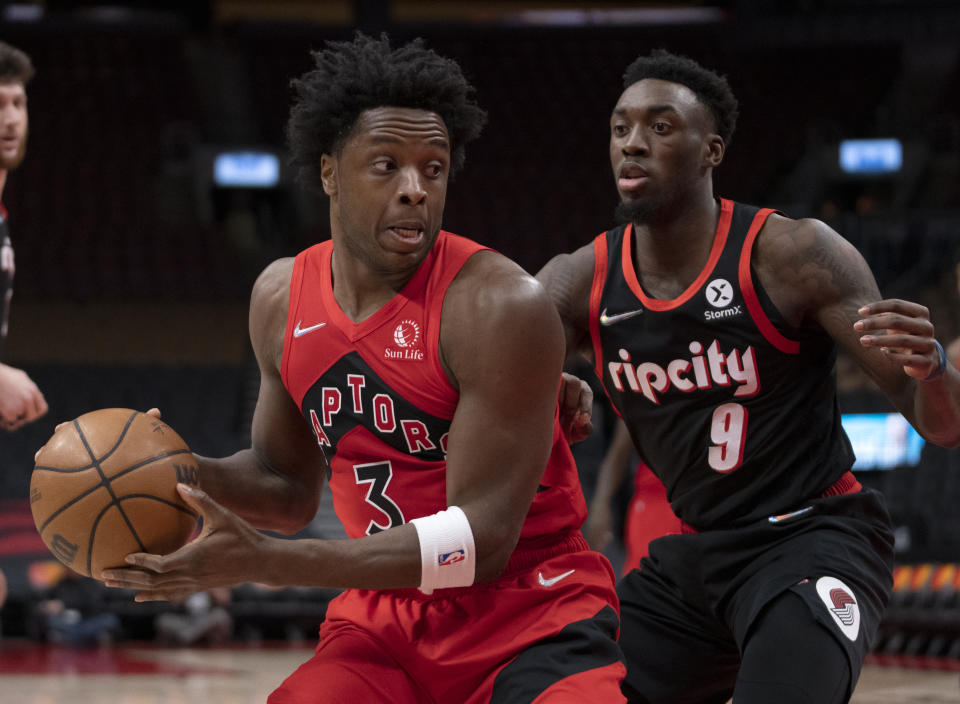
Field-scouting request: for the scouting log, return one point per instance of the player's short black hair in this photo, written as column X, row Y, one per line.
column 710, row 88
column 353, row 76
column 15, row 65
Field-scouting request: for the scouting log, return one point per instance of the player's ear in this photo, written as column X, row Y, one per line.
column 328, row 174
column 713, row 150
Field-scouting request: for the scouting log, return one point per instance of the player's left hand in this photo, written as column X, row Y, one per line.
column 225, row 553
column 903, row 332
column 576, row 408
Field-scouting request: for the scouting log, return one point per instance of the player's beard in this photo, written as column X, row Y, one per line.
column 652, row 208
column 635, row 211
column 11, row 162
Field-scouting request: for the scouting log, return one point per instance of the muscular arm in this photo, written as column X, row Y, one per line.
column 816, row 278
column 503, row 345
column 567, row 279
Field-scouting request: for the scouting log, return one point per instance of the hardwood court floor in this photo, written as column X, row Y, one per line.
column 31, row 673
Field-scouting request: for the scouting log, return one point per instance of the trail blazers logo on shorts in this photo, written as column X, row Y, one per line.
column 842, row 605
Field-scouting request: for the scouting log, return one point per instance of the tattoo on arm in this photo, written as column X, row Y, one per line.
column 826, row 271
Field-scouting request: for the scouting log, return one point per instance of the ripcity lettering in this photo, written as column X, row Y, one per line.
column 704, row 370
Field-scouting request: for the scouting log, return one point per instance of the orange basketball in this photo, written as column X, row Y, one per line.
column 104, row 486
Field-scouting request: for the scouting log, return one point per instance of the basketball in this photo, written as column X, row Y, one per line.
column 104, row 486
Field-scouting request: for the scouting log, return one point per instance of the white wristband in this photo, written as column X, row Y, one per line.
column 447, row 555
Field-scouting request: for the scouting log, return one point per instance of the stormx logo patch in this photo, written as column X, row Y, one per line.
column 842, row 605
column 719, row 294
column 451, row 558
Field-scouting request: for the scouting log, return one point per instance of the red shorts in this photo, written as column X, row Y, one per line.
column 544, row 632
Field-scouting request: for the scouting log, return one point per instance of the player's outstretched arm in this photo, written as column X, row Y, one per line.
column 818, row 278
column 903, row 332
column 276, row 483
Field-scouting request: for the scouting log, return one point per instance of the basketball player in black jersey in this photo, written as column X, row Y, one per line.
column 20, row 400
column 713, row 327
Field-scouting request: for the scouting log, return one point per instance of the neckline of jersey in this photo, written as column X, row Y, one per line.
column 659, row 304
column 356, row 330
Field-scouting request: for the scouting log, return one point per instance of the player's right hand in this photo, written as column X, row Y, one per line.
column 20, row 400
column 228, row 551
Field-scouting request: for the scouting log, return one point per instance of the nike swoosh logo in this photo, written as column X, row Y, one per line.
column 611, row 319
column 298, row 331
column 553, row 580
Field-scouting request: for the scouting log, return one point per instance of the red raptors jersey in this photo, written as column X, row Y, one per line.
column 380, row 404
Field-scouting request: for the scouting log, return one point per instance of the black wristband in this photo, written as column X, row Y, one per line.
column 942, row 367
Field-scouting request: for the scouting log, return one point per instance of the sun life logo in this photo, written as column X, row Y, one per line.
column 405, row 336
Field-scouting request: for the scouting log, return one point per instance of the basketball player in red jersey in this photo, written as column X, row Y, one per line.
column 419, row 372
column 713, row 327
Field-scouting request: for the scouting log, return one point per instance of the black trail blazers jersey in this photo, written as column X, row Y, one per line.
column 726, row 403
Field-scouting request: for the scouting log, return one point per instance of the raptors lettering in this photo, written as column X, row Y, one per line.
column 370, row 403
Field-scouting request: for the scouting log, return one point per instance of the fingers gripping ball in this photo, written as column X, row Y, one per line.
column 104, row 486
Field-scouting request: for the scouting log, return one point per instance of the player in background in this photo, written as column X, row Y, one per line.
column 418, row 372
column 21, row 402
column 649, row 515
column 713, row 327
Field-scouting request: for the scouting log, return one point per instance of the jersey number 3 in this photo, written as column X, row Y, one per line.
column 378, row 476
column 728, row 432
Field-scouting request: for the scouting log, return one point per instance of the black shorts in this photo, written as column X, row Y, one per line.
column 690, row 609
